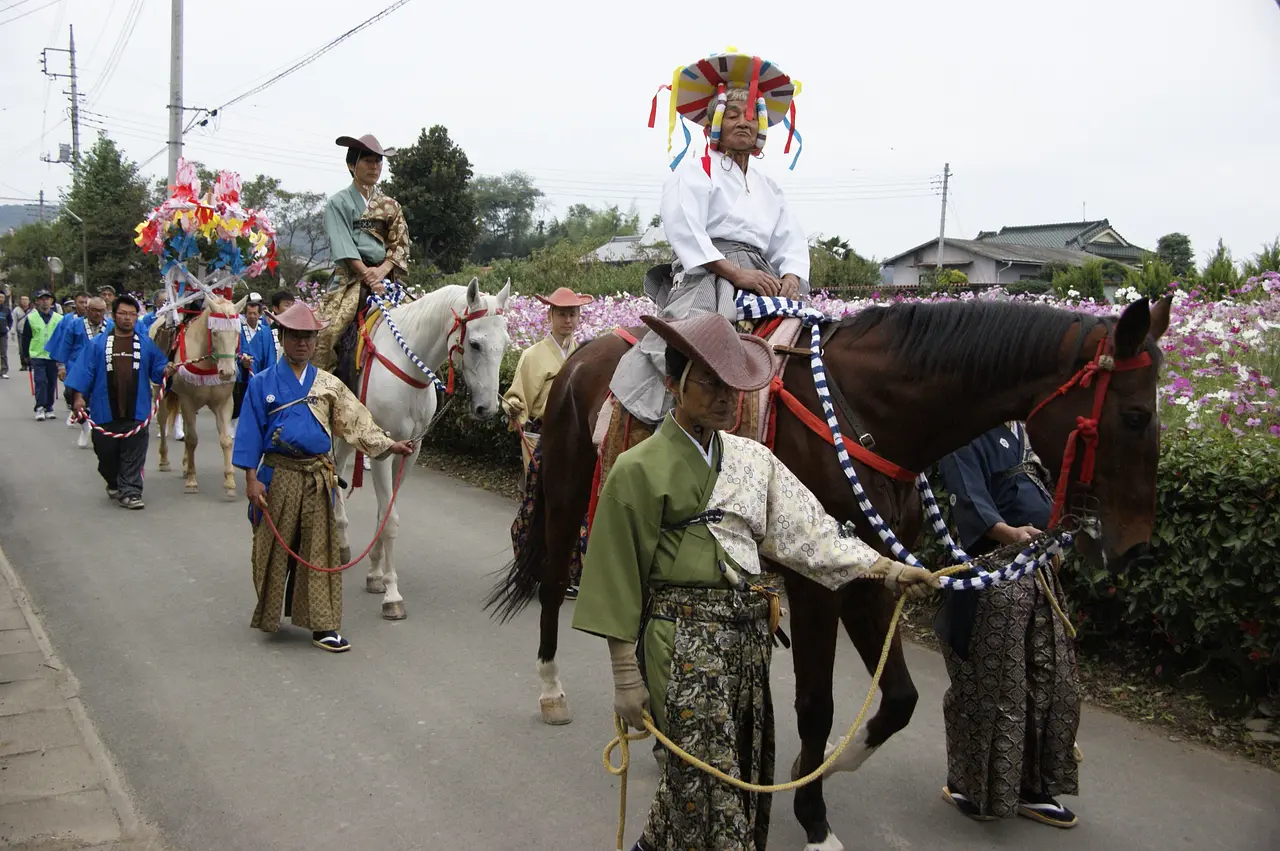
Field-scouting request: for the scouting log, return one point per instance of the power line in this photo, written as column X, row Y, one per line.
column 313, row 56
column 28, row 12
column 114, row 58
column 15, row 5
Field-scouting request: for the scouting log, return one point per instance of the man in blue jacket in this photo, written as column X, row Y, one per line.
column 116, row 371
column 257, row 349
column 72, row 336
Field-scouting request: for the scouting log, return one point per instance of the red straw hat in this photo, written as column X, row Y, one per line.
column 565, row 297
column 739, row 360
column 299, row 317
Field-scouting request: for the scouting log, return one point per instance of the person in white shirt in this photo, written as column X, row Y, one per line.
column 728, row 225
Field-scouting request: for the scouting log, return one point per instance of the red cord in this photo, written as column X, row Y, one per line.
column 300, row 560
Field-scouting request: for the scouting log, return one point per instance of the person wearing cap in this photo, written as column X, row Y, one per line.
column 73, row 336
column 281, row 300
column 257, row 349
column 34, row 339
column 284, row 442
column 115, row 373
column 670, row 581
column 728, row 224
column 368, row 243
column 526, row 400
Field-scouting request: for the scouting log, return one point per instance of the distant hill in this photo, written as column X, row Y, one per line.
column 17, row 215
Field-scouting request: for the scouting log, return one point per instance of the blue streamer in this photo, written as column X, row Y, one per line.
column 799, row 143
column 688, row 140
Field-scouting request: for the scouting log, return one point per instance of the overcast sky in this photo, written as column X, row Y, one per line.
column 1160, row 115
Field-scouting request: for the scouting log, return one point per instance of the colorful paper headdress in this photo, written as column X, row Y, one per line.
column 699, row 92
column 231, row 242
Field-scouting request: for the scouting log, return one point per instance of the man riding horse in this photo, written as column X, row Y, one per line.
column 369, row 244
column 729, row 227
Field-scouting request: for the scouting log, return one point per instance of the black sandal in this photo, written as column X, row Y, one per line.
column 964, row 805
column 331, row 641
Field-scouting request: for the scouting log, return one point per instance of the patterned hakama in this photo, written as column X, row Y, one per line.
column 1013, row 707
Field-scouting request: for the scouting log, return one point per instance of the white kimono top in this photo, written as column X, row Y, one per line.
column 729, row 204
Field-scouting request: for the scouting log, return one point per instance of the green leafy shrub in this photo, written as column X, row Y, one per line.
column 1081, row 282
column 459, row 434
column 1152, row 280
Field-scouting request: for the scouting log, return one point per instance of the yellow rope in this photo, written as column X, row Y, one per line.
column 623, row 738
column 1067, row 627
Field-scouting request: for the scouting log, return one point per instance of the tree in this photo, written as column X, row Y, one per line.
column 656, row 221
column 1153, row 279
column 1266, row 260
column 1220, row 274
column 23, row 256
column 111, row 199
column 298, row 218
column 1174, row 250
column 505, row 206
column 590, row 228
column 432, row 181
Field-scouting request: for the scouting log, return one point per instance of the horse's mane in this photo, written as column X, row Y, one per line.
column 1000, row 342
column 414, row 316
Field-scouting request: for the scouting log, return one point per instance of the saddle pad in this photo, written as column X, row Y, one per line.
column 786, row 334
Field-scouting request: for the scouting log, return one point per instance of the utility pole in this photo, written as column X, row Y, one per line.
column 75, row 99
column 175, row 92
column 42, row 205
column 75, row 108
column 942, row 227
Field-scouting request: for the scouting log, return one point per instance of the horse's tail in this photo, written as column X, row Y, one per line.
column 522, row 576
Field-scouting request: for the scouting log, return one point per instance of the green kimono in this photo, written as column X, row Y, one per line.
column 667, row 519
column 371, row 232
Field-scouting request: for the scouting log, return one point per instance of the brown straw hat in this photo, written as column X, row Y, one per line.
column 739, row 360
column 367, row 142
column 299, row 317
column 565, row 297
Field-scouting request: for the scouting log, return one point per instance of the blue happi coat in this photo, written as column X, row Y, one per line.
column 88, row 376
column 70, row 338
column 262, row 348
column 269, row 423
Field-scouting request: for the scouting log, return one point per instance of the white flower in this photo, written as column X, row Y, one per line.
column 1242, row 371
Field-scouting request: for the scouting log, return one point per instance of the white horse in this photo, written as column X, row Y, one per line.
column 207, row 349
column 448, row 320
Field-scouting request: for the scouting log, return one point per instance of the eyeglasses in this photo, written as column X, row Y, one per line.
column 715, row 388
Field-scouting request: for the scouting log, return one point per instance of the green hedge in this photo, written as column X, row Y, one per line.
column 459, row 434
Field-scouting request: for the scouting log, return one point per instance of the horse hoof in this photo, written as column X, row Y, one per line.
column 231, row 494
column 372, row 584
column 555, row 711
column 165, row 467
column 191, row 489
column 831, row 843
column 393, row 611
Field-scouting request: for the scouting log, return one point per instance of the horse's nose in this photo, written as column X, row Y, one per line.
column 482, row 410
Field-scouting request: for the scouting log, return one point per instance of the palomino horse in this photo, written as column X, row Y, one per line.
column 207, row 351
column 403, row 401
column 924, row 380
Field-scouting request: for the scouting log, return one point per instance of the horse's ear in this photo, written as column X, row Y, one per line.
column 473, row 295
column 1131, row 330
column 1160, row 317
column 503, row 294
column 239, row 305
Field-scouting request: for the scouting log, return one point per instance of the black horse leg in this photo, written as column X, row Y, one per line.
column 814, row 620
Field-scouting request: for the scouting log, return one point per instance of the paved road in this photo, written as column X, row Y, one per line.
column 426, row 735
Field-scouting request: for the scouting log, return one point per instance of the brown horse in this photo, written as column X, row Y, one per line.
column 924, row 380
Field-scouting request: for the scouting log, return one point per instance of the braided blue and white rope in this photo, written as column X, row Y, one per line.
column 1038, row 554
column 397, row 294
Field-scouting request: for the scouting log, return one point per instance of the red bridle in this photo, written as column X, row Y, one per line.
column 1103, row 365
column 460, row 325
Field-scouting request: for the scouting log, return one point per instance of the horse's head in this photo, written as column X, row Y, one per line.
column 1115, row 377
column 224, row 335
column 483, row 339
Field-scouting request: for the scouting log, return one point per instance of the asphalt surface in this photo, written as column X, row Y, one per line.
column 426, row 735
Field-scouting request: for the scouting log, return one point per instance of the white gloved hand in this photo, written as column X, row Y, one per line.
column 630, row 697
column 916, row 582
